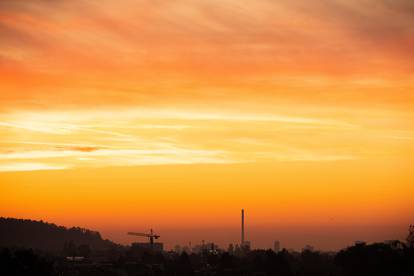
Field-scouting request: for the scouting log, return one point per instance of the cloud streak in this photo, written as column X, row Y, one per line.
column 148, row 53
column 19, row 167
column 142, row 137
column 244, row 82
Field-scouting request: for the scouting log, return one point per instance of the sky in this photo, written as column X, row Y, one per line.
column 174, row 115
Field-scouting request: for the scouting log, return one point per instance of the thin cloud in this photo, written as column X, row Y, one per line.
column 109, row 158
column 82, row 117
column 37, row 154
column 19, row 167
column 80, row 148
column 36, row 127
column 148, row 52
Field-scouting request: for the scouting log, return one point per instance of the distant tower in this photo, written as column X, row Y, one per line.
column 276, row 246
column 242, row 227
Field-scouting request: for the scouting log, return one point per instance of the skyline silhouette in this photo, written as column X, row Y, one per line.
column 166, row 118
column 37, row 248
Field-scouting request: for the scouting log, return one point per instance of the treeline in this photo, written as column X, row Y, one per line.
column 379, row 259
column 26, row 262
column 47, row 237
column 37, row 248
column 361, row 260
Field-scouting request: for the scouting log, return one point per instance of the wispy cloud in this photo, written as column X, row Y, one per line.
column 132, row 137
column 17, row 167
column 54, row 118
column 93, row 152
column 150, row 54
column 108, row 158
column 36, row 127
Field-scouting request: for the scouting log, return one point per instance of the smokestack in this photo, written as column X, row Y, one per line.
column 242, row 227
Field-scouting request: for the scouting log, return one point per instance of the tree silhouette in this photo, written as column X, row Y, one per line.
column 410, row 237
column 46, row 236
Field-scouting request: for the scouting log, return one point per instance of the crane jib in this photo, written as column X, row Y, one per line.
column 151, row 236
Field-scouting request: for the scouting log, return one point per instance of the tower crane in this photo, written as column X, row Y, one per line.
column 151, row 236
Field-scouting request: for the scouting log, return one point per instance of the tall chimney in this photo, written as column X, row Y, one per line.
column 242, row 227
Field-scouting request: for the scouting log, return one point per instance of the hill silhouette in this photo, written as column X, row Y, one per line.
column 47, row 236
column 19, row 237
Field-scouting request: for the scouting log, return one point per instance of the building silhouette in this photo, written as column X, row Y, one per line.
column 276, row 246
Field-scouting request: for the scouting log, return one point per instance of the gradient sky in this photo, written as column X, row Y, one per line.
column 174, row 115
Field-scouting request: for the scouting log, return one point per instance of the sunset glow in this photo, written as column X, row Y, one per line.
column 174, row 115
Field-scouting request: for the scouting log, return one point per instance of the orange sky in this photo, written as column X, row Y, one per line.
column 176, row 114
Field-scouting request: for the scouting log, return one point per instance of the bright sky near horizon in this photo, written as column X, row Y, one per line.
column 174, row 115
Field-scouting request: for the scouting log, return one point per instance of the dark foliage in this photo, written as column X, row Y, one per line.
column 377, row 259
column 393, row 258
column 48, row 237
column 24, row 262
